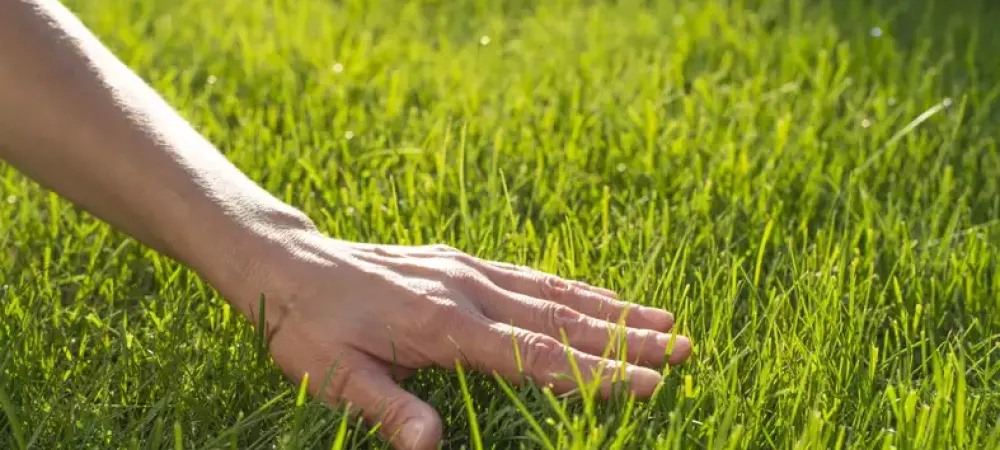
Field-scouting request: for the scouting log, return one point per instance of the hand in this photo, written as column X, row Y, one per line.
column 372, row 312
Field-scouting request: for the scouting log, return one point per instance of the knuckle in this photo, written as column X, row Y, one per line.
column 542, row 352
column 555, row 288
column 558, row 317
column 463, row 274
column 457, row 255
column 467, row 259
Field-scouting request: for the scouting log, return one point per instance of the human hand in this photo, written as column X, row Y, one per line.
column 374, row 312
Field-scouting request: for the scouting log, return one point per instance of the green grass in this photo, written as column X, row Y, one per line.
column 817, row 203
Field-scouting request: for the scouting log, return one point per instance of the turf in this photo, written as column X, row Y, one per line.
column 810, row 186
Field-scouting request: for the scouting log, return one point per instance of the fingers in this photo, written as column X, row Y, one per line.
column 590, row 300
column 511, row 352
column 402, row 419
column 580, row 298
column 583, row 332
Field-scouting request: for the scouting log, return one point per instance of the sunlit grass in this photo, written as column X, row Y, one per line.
column 811, row 187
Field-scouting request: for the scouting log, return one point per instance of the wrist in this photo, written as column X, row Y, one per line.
column 238, row 255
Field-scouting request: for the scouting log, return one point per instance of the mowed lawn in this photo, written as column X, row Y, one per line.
column 812, row 187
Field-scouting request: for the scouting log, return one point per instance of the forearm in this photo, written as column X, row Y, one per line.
column 77, row 120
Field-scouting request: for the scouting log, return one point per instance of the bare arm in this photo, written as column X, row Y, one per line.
column 79, row 121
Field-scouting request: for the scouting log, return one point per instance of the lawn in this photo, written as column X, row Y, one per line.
column 812, row 187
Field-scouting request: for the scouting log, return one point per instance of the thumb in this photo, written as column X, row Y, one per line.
column 402, row 418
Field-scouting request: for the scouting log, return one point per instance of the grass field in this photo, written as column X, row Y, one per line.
column 812, row 187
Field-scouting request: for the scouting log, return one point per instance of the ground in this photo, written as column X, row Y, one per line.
column 812, row 187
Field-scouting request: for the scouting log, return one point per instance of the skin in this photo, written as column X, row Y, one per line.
column 78, row 121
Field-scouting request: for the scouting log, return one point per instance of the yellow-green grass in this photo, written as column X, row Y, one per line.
column 810, row 186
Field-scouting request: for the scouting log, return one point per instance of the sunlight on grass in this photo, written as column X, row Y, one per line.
column 817, row 202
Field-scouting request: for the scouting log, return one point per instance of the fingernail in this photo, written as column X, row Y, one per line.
column 643, row 380
column 656, row 315
column 681, row 347
column 679, row 341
